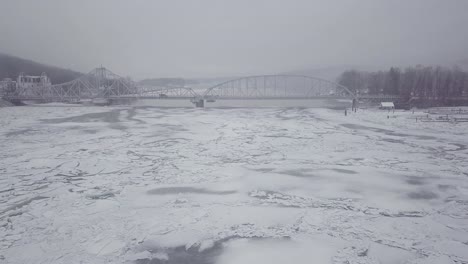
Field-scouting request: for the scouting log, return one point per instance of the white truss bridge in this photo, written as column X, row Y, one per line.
column 102, row 83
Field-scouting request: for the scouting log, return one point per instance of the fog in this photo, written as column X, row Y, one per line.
column 225, row 38
column 349, row 145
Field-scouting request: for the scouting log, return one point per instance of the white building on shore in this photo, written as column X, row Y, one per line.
column 29, row 81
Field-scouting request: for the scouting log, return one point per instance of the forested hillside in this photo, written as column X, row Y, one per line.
column 11, row 66
column 424, row 82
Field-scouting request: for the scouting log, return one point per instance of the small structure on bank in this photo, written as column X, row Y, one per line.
column 387, row 106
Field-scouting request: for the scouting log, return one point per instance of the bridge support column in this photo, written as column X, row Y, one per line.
column 355, row 105
column 200, row 103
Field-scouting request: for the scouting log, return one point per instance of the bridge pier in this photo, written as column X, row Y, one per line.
column 355, row 104
column 199, row 103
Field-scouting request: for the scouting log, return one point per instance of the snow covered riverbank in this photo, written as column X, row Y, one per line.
column 275, row 185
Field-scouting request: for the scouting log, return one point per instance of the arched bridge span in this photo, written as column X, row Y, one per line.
column 278, row 87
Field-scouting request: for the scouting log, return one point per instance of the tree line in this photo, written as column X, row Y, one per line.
column 435, row 83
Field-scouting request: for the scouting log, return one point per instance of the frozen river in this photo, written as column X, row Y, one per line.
column 246, row 185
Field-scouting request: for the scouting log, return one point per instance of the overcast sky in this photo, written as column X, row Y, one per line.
column 203, row 38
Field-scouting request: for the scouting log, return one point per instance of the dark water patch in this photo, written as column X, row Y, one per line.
column 169, row 142
column 445, row 187
column 77, row 174
column 403, row 214
column 7, row 190
column 424, row 137
column 363, row 253
column 361, row 127
column 41, row 187
column 159, row 108
column 294, row 113
column 264, row 170
column 278, row 136
column 117, row 127
column 73, row 179
column 457, row 201
column 355, row 159
column 90, row 131
column 307, row 173
column 22, row 204
column 459, row 147
column 100, row 196
column 345, row 171
column 181, row 255
column 108, row 117
column 177, row 190
column 386, row 131
column 193, row 255
column 414, row 180
column 392, row 140
column 283, row 200
column 19, row 132
column 288, row 201
column 302, row 173
column 423, row 195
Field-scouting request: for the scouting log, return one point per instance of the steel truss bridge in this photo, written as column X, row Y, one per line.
column 101, row 83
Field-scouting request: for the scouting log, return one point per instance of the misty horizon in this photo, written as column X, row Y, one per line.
column 148, row 39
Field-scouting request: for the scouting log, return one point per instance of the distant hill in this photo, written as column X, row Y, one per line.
column 11, row 66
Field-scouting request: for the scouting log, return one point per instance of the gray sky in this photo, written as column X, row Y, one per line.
column 202, row 38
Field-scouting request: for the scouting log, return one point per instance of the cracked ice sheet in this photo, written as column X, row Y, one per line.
column 125, row 185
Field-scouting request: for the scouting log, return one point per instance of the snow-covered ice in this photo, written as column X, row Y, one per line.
column 245, row 185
